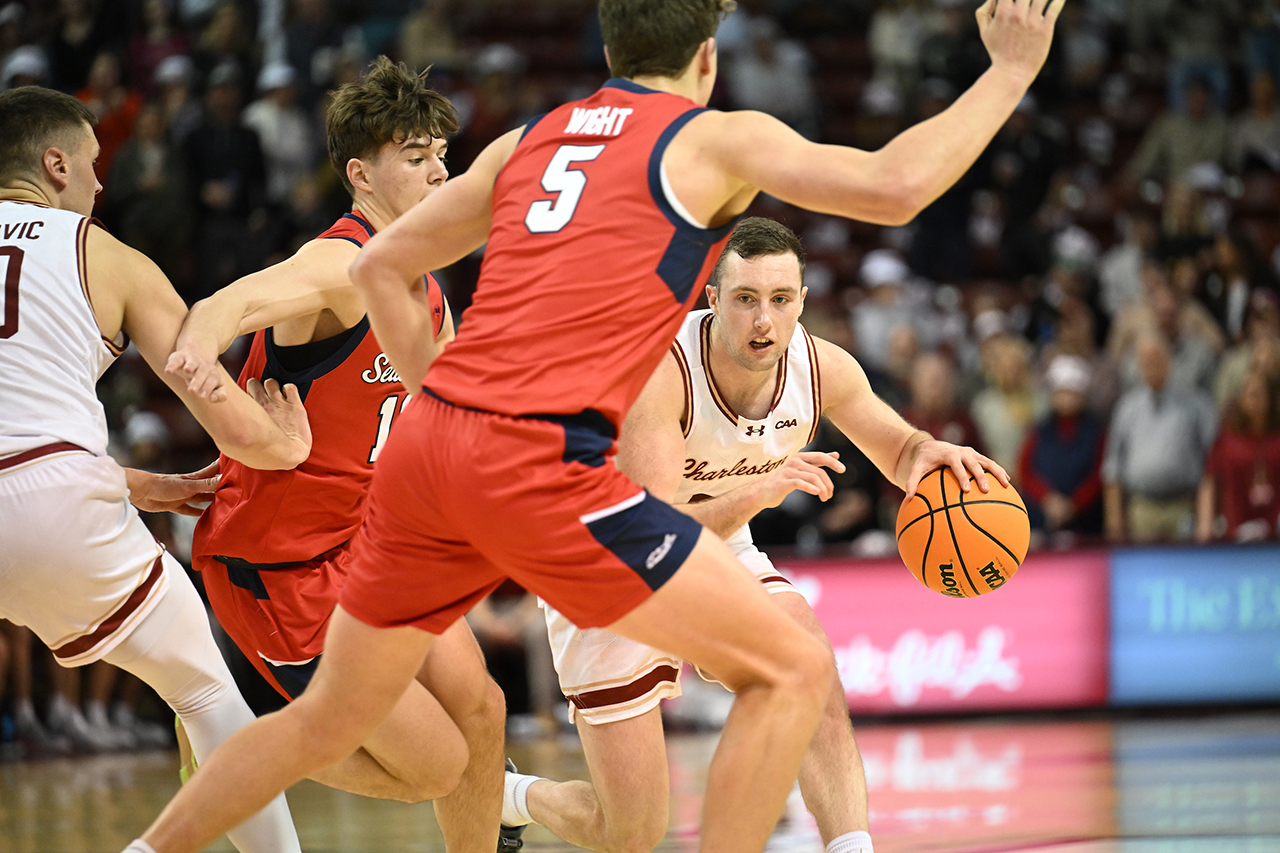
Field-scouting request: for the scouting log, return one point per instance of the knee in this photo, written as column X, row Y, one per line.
column 440, row 776
column 641, row 835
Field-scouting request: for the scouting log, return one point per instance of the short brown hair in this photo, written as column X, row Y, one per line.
column 389, row 103
column 657, row 37
column 756, row 237
column 32, row 120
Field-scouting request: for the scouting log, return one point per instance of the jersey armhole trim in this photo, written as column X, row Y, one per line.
column 684, row 223
column 529, row 125
column 815, row 376
column 82, row 272
column 351, row 240
column 686, row 417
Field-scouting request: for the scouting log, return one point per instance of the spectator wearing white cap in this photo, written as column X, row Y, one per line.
column 26, row 66
column 1060, row 466
column 887, row 306
column 175, row 82
column 288, row 141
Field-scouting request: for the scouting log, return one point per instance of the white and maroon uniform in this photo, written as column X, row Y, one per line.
column 609, row 678
column 77, row 564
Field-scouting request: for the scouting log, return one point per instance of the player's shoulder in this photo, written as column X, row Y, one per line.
column 839, row 373
column 665, row 390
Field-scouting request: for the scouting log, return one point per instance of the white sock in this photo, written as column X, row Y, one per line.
column 515, row 799
column 139, row 846
column 851, row 842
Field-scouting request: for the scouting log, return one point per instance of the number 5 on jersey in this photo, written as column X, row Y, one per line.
column 548, row 217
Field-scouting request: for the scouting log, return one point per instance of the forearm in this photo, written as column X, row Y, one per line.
column 925, row 160
column 137, row 482
column 907, row 457
column 727, row 513
column 212, row 324
column 402, row 323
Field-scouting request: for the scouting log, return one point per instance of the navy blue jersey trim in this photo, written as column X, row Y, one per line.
column 364, row 223
column 343, row 237
column 628, row 86
column 529, row 125
column 303, row 379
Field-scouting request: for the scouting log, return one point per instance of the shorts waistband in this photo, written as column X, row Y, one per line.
column 589, row 419
column 37, row 452
column 237, row 563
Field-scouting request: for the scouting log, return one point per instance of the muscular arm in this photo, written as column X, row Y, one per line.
column 130, row 293
column 891, row 186
column 903, row 453
column 313, row 280
column 651, row 451
column 449, row 224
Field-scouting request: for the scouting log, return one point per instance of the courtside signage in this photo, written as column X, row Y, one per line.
column 1038, row 642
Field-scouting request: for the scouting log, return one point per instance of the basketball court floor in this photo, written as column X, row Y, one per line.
column 1172, row 784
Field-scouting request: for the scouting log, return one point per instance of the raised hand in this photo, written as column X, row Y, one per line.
column 200, row 370
column 963, row 462
column 284, row 407
column 1017, row 34
column 805, row 472
column 185, row 494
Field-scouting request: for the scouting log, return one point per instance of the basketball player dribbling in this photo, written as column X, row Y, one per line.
column 77, row 564
column 273, row 545
column 717, row 431
column 600, row 218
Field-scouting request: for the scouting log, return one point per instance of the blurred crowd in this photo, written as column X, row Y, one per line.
column 1094, row 305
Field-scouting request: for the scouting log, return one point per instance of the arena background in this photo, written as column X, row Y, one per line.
column 1119, row 694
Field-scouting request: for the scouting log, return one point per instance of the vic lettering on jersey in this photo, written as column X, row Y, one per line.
column 602, row 121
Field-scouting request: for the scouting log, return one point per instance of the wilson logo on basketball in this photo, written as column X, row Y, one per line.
column 785, row 424
column 951, row 587
column 382, row 371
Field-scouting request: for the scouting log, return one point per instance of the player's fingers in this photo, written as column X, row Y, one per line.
column 973, row 462
column 187, row 510
column 957, row 468
column 1055, row 9
column 291, row 395
column 205, row 487
column 913, row 481
column 828, row 489
column 1037, row 8
column 1001, row 474
column 986, row 12
column 210, row 470
column 256, row 391
column 818, row 458
column 177, row 361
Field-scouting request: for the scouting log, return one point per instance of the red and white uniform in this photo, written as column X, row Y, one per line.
column 609, row 678
column 77, row 565
column 271, row 546
column 589, row 270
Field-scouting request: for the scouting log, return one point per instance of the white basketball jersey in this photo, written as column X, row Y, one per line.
column 51, row 350
column 724, row 450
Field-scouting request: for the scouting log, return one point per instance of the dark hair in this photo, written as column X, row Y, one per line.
column 657, row 37
column 1234, row 415
column 756, row 237
column 389, row 103
column 32, row 120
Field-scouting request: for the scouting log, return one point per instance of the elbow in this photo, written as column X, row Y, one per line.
column 253, row 450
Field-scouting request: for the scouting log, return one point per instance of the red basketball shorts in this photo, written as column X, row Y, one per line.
column 462, row 499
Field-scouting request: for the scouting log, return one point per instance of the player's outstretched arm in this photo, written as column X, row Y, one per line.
column 903, row 453
column 185, row 494
column 129, row 292
column 447, row 225
column 892, row 185
column 313, row 280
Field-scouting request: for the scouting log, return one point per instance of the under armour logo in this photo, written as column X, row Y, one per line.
column 755, row 430
column 656, row 555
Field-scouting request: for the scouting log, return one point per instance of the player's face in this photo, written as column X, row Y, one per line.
column 404, row 174
column 757, row 308
column 82, row 183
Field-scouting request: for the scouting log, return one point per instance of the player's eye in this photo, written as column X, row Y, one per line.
column 416, row 160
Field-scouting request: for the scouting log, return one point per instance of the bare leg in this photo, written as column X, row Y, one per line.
column 361, row 677
column 623, row 809
column 717, row 616
column 831, row 777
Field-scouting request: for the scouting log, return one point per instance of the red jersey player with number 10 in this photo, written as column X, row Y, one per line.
column 601, row 218
column 273, row 547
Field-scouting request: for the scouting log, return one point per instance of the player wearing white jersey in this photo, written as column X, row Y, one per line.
column 77, row 564
column 719, row 431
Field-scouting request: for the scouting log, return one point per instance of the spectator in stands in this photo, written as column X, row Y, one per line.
column 116, row 107
column 150, row 206
column 175, row 81
column 1181, row 138
column 1022, row 162
column 427, row 39
column 1200, row 35
column 885, row 307
column 1184, row 323
column 1120, row 269
column 36, row 739
column 894, row 36
column 13, row 18
column 1255, row 133
column 1259, row 350
column 1075, row 334
column 773, row 75
column 227, row 175
column 227, row 40
column 1159, row 437
column 1060, row 466
column 1006, row 408
column 1241, row 483
column 85, row 28
column 26, row 66
column 311, row 39
column 1262, row 38
column 933, row 402
column 157, row 40
column 1236, row 271
column 284, row 131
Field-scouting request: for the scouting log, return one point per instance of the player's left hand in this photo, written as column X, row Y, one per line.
column 963, row 462
column 185, row 494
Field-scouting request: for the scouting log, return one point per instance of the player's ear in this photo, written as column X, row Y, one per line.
column 803, row 291
column 57, row 168
column 606, row 59
column 713, row 296
column 358, row 174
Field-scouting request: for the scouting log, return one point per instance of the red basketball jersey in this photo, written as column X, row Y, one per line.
column 589, row 269
column 351, row 398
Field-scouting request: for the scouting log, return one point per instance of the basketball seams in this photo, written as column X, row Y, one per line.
column 942, row 488
column 922, row 516
column 924, row 559
column 974, row 524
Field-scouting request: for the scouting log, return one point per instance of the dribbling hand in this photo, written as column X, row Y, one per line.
column 963, row 462
column 284, row 407
column 1017, row 34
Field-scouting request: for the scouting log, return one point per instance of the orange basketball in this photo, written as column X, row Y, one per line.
column 961, row 544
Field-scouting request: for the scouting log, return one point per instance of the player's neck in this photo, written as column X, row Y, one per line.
column 748, row 392
column 375, row 214
column 686, row 85
column 28, row 193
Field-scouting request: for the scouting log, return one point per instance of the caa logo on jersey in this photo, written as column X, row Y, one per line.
column 382, row 371
column 785, row 424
